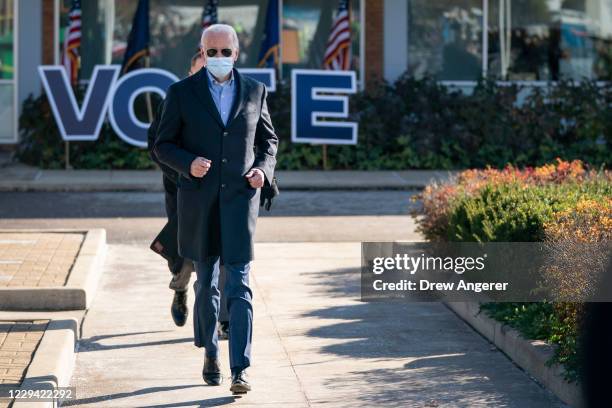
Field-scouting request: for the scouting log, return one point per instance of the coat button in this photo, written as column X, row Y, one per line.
column 222, row 185
column 224, row 160
column 225, row 133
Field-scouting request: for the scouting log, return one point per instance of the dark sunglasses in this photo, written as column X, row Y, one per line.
column 226, row 52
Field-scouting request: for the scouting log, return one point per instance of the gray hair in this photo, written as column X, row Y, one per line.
column 221, row 28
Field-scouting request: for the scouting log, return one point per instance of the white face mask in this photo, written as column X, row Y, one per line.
column 219, row 66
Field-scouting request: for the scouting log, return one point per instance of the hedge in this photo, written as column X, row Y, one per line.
column 564, row 204
column 410, row 124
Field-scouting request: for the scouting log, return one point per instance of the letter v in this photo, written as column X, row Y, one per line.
column 75, row 123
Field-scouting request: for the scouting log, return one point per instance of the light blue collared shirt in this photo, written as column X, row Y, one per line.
column 223, row 94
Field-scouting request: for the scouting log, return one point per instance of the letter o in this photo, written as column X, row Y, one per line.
column 121, row 113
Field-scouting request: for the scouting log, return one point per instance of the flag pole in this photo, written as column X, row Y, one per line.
column 148, row 94
column 67, row 165
column 280, row 41
column 67, row 155
column 325, row 166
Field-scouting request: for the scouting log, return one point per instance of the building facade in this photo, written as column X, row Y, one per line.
column 456, row 41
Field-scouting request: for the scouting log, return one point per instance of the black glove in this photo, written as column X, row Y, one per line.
column 268, row 192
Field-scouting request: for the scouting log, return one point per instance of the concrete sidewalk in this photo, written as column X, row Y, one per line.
column 315, row 343
column 20, row 177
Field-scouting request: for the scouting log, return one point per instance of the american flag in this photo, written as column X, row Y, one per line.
column 209, row 15
column 72, row 42
column 338, row 49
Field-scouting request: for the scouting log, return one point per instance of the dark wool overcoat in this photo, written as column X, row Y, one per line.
column 216, row 213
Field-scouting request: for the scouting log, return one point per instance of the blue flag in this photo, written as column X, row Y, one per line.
column 138, row 41
column 270, row 46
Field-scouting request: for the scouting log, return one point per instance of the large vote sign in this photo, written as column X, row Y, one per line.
column 316, row 97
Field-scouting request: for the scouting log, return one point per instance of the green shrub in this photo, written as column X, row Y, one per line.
column 514, row 212
column 558, row 203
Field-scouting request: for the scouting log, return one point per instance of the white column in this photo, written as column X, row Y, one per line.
column 395, row 39
column 109, row 26
column 485, row 37
column 29, row 48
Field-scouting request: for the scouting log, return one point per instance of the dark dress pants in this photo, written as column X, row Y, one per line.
column 239, row 305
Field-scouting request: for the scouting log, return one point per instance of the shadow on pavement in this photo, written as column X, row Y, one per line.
column 92, row 343
column 447, row 363
column 212, row 402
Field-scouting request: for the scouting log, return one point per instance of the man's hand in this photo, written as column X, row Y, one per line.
column 255, row 177
column 200, row 166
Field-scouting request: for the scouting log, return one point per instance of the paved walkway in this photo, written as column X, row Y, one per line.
column 315, row 343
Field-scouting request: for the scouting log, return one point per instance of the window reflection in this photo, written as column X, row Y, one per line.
column 7, row 69
column 550, row 39
column 176, row 28
column 6, row 39
column 306, row 27
column 97, row 18
column 445, row 39
column 527, row 39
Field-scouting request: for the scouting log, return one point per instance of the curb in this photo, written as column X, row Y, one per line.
column 530, row 355
column 37, row 180
column 80, row 287
column 53, row 362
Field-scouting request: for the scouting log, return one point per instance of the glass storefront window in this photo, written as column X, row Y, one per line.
column 306, row 27
column 7, row 71
column 527, row 39
column 175, row 31
column 445, row 39
column 6, row 39
column 176, row 28
column 550, row 40
column 97, row 21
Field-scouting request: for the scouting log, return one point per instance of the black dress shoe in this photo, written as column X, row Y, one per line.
column 179, row 308
column 212, row 371
column 240, row 382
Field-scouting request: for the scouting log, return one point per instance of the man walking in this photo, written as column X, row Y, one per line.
column 216, row 132
column 165, row 243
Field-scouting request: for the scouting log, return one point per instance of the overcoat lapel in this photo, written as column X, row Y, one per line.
column 241, row 95
column 203, row 92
